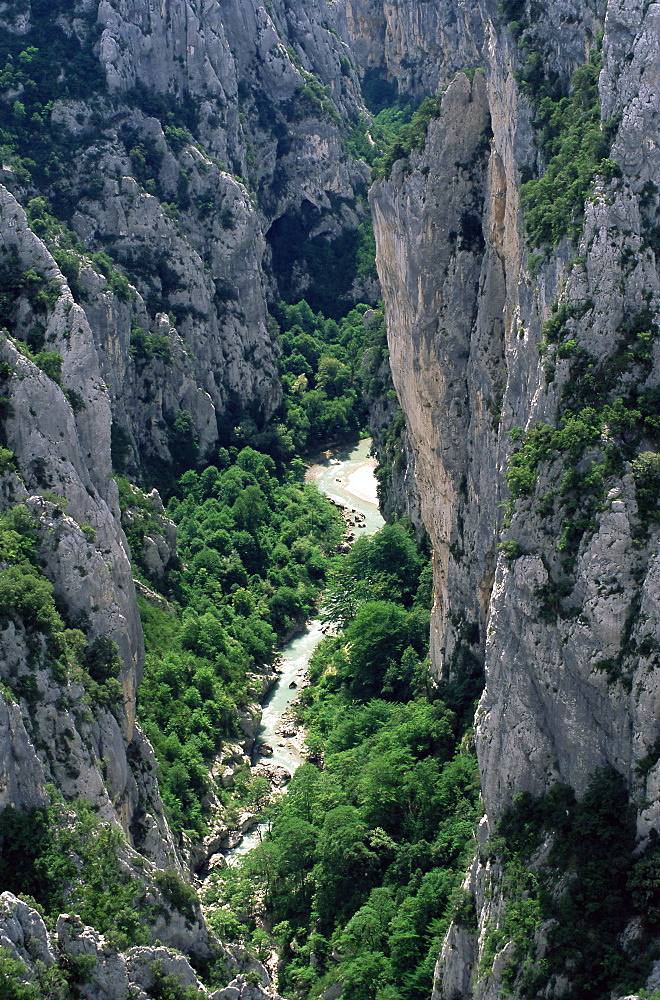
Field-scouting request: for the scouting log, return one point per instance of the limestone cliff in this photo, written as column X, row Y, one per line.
column 430, row 251
column 418, row 46
column 486, row 338
column 140, row 247
column 208, row 136
column 57, row 429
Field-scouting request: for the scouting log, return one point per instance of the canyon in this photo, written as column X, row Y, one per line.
column 174, row 198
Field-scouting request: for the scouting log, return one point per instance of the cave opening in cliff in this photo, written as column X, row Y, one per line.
column 314, row 261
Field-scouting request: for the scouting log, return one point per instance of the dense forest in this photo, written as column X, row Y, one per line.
column 191, row 198
column 380, row 820
column 360, row 872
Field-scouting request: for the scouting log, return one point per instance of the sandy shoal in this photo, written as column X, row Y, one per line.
column 362, row 483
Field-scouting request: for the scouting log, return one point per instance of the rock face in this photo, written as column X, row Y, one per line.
column 64, row 452
column 138, row 261
column 419, row 46
column 104, row 972
column 214, row 133
column 432, row 289
column 566, row 618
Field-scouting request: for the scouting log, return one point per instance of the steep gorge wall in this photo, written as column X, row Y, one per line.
column 418, row 46
column 137, row 266
column 430, row 254
column 139, row 276
column 210, row 126
column 565, row 620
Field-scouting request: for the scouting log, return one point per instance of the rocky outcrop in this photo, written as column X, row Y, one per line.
column 418, row 46
column 57, row 429
column 65, row 450
column 102, row 972
column 566, row 617
column 564, row 741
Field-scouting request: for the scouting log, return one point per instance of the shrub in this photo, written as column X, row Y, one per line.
column 177, row 893
column 50, row 362
column 26, row 594
column 574, row 145
column 510, row 549
column 646, row 472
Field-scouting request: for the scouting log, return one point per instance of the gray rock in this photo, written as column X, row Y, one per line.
column 22, row 778
column 419, row 46
column 23, row 933
column 431, row 287
column 462, row 329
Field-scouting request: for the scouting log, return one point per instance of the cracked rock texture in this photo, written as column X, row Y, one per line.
column 186, row 210
column 465, row 315
column 113, row 975
column 419, row 46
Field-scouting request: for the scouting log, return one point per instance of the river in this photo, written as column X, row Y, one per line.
column 348, row 478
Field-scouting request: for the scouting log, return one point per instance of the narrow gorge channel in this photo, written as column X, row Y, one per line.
column 235, row 233
column 347, row 477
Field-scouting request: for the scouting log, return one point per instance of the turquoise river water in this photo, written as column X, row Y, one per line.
column 347, row 477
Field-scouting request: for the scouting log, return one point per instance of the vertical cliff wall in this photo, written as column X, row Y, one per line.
column 151, row 151
column 428, row 220
column 417, row 46
column 494, row 346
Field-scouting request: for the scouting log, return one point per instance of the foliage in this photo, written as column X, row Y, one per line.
column 574, row 145
column 166, row 986
column 408, row 137
column 37, row 71
column 589, row 886
column 50, row 362
column 177, row 893
column 117, row 283
column 52, row 983
column 145, row 346
column 385, row 567
column 254, row 550
column 15, row 282
column 320, row 368
column 27, row 598
column 511, row 549
column 364, row 855
column 25, row 594
column 370, row 136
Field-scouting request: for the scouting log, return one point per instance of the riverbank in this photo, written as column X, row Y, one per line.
column 359, row 482
column 346, row 476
